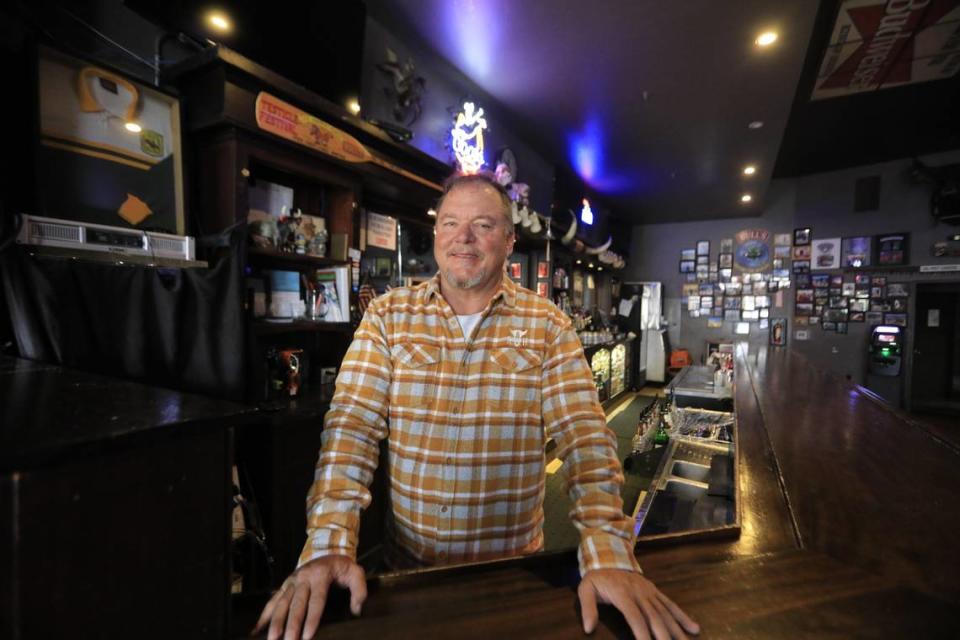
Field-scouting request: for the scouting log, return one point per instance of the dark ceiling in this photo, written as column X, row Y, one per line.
column 649, row 100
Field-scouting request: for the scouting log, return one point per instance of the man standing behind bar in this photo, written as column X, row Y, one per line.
column 464, row 374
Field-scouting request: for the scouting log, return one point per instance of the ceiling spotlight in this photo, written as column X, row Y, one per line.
column 766, row 38
column 746, row 197
column 353, row 105
column 219, row 21
column 579, row 261
column 749, row 170
column 132, row 127
column 432, row 213
column 756, row 124
column 599, row 268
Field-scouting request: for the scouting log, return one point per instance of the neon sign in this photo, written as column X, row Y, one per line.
column 467, row 136
column 586, row 214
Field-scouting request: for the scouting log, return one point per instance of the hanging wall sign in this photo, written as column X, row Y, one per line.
column 381, row 231
column 753, row 250
column 877, row 44
column 287, row 121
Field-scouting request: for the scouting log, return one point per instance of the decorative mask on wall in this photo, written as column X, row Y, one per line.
column 406, row 88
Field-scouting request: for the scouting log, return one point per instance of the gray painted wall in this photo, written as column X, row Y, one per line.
column 823, row 202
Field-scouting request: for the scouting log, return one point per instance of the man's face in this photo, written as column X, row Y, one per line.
column 473, row 237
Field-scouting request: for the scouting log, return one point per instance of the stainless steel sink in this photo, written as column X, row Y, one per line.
column 690, row 470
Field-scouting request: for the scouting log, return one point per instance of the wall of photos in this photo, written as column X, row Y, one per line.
column 824, row 304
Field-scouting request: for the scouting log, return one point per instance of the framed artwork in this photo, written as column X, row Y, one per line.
column 801, row 236
column 726, row 245
column 826, row 325
column 873, row 317
column 856, row 316
column 688, row 254
column 802, row 253
column 892, row 249
column 836, row 280
column 765, row 313
column 782, row 251
column 841, row 327
column 516, row 270
column 748, row 303
column 705, row 289
column 804, row 309
column 802, row 280
column 861, row 305
column 835, row 315
column 731, row 315
column 801, row 321
column 706, row 302
column 820, row 280
column 781, row 239
column 731, row 302
column 752, row 253
column 849, row 289
column 703, row 261
column 898, row 304
column 826, row 253
column 813, row 319
column 801, row 266
column 855, row 251
column 726, row 274
column 838, row 302
column 879, row 281
column 805, row 295
column 703, row 248
column 90, row 167
column 750, row 316
column 703, row 272
column 543, row 269
column 760, row 288
column 742, row 329
column 778, row 263
column 778, row 331
column 542, row 289
column 861, row 280
column 726, row 260
column 687, row 266
column 714, row 322
column 898, row 319
column 897, row 290
column 762, row 302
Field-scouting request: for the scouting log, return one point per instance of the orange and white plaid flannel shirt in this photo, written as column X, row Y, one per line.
column 467, row 421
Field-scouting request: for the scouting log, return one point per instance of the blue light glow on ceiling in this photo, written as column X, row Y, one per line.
column 586, row 151
column 474, row 29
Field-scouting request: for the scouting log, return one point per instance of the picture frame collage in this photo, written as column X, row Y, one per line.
column 713, row 291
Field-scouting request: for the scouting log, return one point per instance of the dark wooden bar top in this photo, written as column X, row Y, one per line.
column 51, row 412
column 847, row 528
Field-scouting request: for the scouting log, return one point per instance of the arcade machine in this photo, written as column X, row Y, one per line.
column 885, row 362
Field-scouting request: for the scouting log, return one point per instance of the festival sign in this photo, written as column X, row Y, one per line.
column 287, row 121
column 752, row 250
column 876, row 44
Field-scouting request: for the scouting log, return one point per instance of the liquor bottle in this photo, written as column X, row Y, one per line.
column 661, row 437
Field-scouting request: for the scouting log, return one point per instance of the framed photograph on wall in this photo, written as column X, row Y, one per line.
column 781, row 239
column 801, row 236
column 543, row 269
column 778, row 331
column 855, row 251
column 892, row 248
column 826, row 253
column 898, row 319
column 688, row 254
column 802, row 252
column 726, row 245
column 703, row 248
column 726, row 260
column 687, row 266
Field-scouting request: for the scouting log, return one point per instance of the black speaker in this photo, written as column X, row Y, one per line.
column 866, row 194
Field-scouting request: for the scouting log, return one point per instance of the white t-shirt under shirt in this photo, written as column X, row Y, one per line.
column 468, row 323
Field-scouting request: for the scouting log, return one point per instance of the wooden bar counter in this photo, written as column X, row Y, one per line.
column 848, row 519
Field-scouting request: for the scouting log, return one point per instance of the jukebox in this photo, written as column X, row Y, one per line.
column 886, row 350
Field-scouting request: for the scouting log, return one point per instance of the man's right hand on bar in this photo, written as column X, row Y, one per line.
column 302, row 597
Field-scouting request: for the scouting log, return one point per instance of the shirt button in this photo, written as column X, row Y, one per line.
column 449, row 460
column 443, row 509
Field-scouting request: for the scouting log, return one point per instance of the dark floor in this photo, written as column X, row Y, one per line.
column 945, row 427
column 558, row 531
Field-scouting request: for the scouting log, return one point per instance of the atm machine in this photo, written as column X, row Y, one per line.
column 885, row 362
column 886, row 350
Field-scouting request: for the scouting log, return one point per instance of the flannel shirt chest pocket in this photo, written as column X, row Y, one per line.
column 416, row 369
column 519, row 374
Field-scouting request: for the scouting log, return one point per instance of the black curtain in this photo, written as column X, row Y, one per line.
column 177, row 328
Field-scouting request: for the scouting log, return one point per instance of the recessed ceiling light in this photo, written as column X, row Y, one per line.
column 749, row 170
column 219, row 21
column 132, row 127
column 746, row 197
column 766, row 38
column 756, row 124
column 353, row 105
